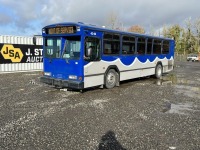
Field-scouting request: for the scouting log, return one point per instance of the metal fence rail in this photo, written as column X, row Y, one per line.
column 10, row 39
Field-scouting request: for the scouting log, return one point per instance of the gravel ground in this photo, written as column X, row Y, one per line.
column 143, row 114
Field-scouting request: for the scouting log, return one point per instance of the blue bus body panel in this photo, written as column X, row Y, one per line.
column 61, row 69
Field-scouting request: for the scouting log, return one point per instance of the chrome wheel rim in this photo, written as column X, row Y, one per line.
column 111, row 79
column 159, row 71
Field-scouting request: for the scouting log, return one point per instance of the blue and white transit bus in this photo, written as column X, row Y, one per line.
column 78, row 56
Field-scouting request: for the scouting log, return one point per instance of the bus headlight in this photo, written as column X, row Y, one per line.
column 47, row 73
column 73, row 77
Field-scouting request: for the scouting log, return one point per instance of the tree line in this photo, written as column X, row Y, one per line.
column 187, row 36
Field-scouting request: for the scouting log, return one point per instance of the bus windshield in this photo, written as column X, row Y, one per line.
column 52, row 47
column 70, row 50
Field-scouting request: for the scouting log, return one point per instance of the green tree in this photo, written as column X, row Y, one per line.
column 197, row 31
column 189, row 37
column 175, row 32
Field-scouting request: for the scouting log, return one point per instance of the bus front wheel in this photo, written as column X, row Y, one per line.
column 111, row 79
column 158, row 71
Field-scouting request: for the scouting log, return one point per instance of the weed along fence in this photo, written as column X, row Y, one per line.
column 18, row 53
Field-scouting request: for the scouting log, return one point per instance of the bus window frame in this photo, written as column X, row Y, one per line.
column 154, row 39
column 144, row 46
column 168, row 47
column 111, row 41
column 147, row 46
column 100, row 48
column 67, row 42
column 122, row 41
column 56, row 53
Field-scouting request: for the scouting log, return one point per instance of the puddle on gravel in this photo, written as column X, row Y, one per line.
column 174, row 79
column 163, row 82
column 189, row 91
column 190, row 88
column 181, row 108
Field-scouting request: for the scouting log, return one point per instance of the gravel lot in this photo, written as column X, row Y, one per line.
column 141, row 114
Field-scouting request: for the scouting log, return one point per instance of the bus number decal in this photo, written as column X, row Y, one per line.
column 93, row 33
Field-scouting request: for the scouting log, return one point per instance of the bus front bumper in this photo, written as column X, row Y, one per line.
column 62, row 83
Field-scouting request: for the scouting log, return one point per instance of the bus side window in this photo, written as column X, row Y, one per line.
column 107, row 48
column 128, row 45
column 141, row 46
column 165, row 49
column 111, row 44
column 157, row 46
column 149, row 45
column 107, row 51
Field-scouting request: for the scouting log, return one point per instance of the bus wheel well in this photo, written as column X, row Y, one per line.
column 159, row 62
column 115, row 68
column 112, row 67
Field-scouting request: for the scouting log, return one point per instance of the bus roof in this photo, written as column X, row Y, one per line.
column 94, row 27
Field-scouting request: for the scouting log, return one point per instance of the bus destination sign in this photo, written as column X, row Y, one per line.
column 61, row 30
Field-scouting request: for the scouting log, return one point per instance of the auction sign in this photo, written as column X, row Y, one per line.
column 20, row 53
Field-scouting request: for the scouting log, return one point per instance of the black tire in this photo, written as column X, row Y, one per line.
column 158, row 71
column 110, row 79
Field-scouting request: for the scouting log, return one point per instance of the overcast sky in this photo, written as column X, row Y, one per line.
column 27, row 17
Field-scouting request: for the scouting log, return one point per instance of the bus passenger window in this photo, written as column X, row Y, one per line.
column 165, row 49
column 111, row 44
column 157, row 46
column 107, row 51
column 128, row 45
column 141, row 46
column 149, row 46
column 107, row 48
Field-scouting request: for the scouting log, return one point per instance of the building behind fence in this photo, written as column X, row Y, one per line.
column 18, row 53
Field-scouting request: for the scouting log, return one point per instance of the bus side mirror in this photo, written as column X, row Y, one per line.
column 88, row 52
column 34, row 40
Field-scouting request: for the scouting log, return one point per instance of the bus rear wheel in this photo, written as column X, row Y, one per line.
column 158, row 71
column 111, row 79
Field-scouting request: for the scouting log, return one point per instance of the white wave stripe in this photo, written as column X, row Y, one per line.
column 136, row 59
column 99, row 67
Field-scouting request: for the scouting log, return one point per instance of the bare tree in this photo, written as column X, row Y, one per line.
column 190, row 36
column 152, row 30
column 188, row 23
column 165, row 31
column 113, row 20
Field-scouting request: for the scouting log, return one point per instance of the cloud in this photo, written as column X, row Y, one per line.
column 5, row 19
column 30, row 16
